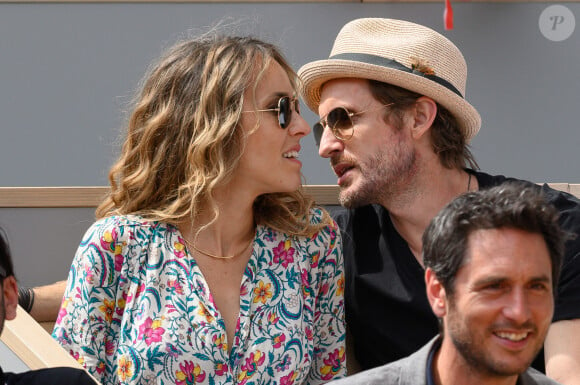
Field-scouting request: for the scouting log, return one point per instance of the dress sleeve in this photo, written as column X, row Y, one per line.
column 567, row 306
column 330, row 329
column 90, row 307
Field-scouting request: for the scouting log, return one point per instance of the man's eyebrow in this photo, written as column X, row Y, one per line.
column 490, row 279
column 541, row 278
column 499, row 279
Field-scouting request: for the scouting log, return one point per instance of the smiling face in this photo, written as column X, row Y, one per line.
column 379, row 159
column 270, row 162
column 499, row 313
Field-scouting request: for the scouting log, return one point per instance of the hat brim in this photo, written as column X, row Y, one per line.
column 313, row 76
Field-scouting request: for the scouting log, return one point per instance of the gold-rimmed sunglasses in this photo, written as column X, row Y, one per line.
column 339, row 120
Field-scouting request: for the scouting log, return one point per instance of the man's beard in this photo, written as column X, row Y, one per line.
column 381, row 177
column 470, row 346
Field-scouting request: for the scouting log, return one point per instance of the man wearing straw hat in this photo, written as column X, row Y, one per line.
column 396, row 126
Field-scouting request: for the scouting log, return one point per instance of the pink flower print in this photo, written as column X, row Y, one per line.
column 189, row 374
column 315, row 258
column 80, row 359
column 119, row 258
column 179, row 248
column 304, row 277
column 110, row 346
column 220, row 342
column 324, row 289
column 108, row 240
column 243, row 290
column 279, row 340
column 332, row 364
column 221, row 369
column 62, row 311
column 255, row 360
column 251, row 366
column 273, row 318
column 174, row 287
column 170, row 308
column 309, row 334
column 284, row 253
column 89, row 274
column 289, row 379
column 100, row 367
column 172, row 351
column 151, row 331
column 109, row 244
column 140, row 289
column 332, row 235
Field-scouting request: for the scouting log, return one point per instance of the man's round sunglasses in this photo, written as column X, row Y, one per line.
column 339, row 120
column 284, row 109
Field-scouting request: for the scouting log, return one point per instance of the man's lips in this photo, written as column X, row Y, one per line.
column 515, row 338
column 512, row 336
column 342, row 168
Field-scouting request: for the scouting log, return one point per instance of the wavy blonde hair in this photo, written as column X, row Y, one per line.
column 183, row 137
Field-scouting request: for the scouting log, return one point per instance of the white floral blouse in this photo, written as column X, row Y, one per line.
column 137, row 309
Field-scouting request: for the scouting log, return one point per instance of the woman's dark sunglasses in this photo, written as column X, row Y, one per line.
column 339, row 120
column 285, row 106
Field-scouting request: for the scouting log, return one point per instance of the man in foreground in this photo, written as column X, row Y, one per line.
column 395, row 126
column 492, row 260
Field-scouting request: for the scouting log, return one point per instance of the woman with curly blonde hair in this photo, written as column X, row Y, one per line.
column 207, row 263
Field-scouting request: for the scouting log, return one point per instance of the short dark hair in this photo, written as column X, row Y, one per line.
column 516, row 205
column 446, row 138
column 6, row 267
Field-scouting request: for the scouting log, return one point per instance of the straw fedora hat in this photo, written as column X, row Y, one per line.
column 396, row 52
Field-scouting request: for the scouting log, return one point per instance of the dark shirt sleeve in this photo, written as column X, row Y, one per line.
column 568, row 291
column 50, row 376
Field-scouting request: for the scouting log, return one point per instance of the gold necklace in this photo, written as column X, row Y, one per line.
column 220, row 256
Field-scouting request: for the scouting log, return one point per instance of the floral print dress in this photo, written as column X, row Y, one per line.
column 137, row 309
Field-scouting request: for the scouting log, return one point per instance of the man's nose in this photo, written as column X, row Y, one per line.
column 329, row 144
column 517, row 307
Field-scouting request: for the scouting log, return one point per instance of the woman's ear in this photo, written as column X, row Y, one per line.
column 425, row 111
column 435, row 293
column 10, row 292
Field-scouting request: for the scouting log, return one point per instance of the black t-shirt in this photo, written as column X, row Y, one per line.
column 387, row 310
column 48, row 376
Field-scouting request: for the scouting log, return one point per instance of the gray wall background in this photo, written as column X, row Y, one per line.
column 67, row 72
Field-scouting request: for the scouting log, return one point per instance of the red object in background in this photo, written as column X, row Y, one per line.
column 448, row 15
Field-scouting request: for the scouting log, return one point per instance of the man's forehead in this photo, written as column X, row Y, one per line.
column 344, row 89
column 506, row 249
